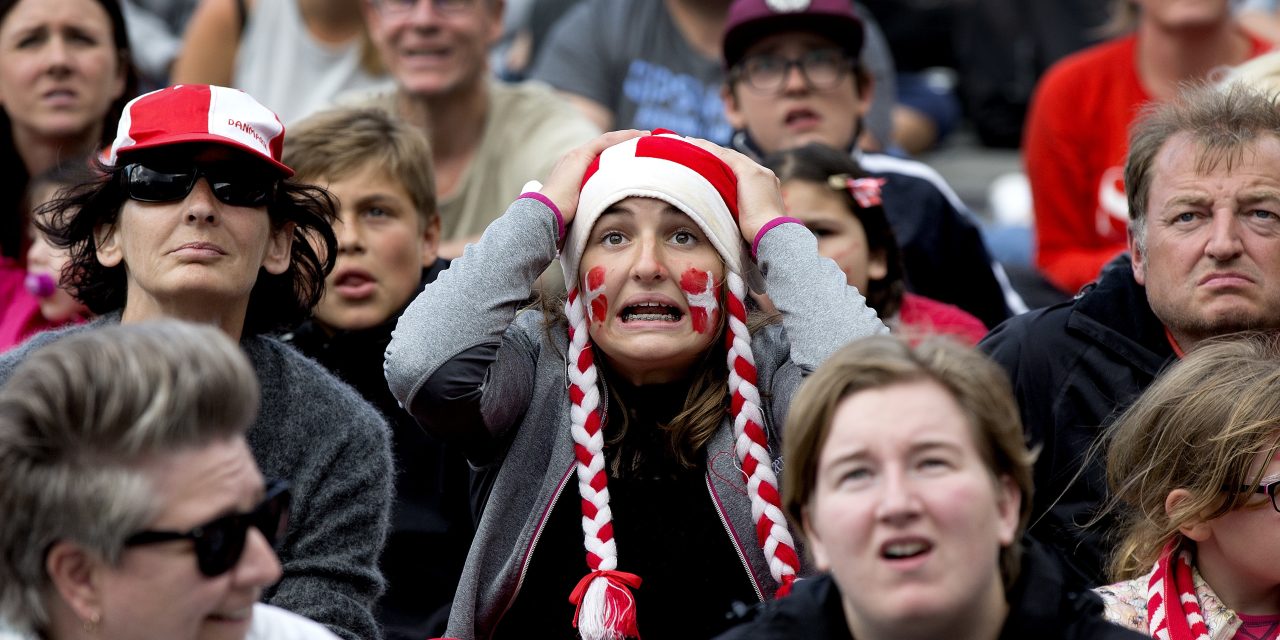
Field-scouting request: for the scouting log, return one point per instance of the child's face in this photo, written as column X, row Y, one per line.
column 840, row 235
column 44, row 259
column 382, row 248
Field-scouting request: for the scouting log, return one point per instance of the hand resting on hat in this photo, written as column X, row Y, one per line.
column 565, row 181
column 759, row 192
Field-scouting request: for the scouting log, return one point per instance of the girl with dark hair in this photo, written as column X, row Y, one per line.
column 841, row 205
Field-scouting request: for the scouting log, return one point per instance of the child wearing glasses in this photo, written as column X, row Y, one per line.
column 1194, row 466
column 379, row 169
column 797, row 76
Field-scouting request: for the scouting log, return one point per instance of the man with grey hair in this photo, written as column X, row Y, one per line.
column 1203, row 176
column 128, row 491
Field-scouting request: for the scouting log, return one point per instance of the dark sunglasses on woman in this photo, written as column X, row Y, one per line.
column 219, row 543
column 233, row 186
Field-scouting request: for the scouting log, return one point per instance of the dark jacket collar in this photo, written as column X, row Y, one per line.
column 1114, row 313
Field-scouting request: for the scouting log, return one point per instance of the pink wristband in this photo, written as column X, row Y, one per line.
column 550, row 205
column 755, row 245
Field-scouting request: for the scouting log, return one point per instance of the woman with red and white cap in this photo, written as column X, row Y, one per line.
column 193, row 217
column 624, row 449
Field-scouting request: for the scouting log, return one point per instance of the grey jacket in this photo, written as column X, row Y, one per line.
column 521, row 437
column 334, row 449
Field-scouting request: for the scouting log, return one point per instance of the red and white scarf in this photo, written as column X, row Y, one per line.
column 1173, row 611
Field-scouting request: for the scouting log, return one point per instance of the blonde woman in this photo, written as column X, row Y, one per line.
column 1194, row 465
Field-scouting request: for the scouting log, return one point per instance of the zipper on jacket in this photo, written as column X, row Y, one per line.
column 733, row 539
column 537, row 535
column 528, row 554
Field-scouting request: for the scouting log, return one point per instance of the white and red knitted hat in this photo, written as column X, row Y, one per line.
column 187, row 113
column 666, row 167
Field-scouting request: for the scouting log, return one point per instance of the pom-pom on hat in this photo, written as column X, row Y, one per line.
column 188, row 113
column 753, row 20
column 666, row 167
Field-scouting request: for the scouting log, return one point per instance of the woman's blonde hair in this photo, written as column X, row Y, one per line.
column 980, row 388
column 1200, row 426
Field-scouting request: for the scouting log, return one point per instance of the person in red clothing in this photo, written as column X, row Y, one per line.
column 840, row 203
column 1077, row 131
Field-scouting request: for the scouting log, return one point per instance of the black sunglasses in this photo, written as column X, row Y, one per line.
column 235, row 187
column 220, row 543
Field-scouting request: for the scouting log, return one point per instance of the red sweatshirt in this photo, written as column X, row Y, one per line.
column 1074, row 146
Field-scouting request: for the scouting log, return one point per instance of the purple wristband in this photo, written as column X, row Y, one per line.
column 755, row 245
column 550, row 205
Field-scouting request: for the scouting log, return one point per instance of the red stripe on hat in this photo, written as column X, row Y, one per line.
column 591, row 171
column 711, row 168
column 149, row 120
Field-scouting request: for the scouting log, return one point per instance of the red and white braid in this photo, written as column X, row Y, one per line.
column 606, row 608
column 752, row 445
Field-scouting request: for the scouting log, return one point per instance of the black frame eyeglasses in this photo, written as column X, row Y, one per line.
column 220, row 543
column 400, row 8
column 1267, row 489
column 821, row 69
column 236, row 187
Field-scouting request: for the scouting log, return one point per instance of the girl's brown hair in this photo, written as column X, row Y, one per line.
column 1199, row 427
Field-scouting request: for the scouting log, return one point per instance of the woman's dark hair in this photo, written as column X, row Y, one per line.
column 821, row 164
column 277, row 302
column 13, row 220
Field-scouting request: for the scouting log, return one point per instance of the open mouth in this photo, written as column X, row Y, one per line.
column 801, row 117
column 905, row 549
column 650, row 312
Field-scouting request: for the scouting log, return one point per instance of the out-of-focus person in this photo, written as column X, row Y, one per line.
column 1078, row 125
column 842, row 205
column 193, row 217
column 796, row 75
column 133, row 507
column 44, row 303
column 294, row 56
column 646, row 65
column 907, row 472
column 65, row 74
column 488, row 137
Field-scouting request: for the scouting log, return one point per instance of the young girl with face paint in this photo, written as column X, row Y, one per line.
column 625, row 450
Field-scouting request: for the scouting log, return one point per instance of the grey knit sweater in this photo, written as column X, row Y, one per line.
column 333, row 447
column 524, row 405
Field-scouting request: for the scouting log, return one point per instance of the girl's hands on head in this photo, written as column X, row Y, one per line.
column 565, row 181
column 759, row 191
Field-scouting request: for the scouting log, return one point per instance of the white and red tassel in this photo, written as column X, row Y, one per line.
column 605, row 607
column 752, row 445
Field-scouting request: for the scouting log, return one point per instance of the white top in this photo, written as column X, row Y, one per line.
column 269, row 623
column 288, row 70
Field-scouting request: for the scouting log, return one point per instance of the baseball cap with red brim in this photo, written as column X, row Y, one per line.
column 197, row 113
column 753, row 20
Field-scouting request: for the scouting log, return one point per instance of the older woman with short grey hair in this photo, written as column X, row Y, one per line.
column 132, row 505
